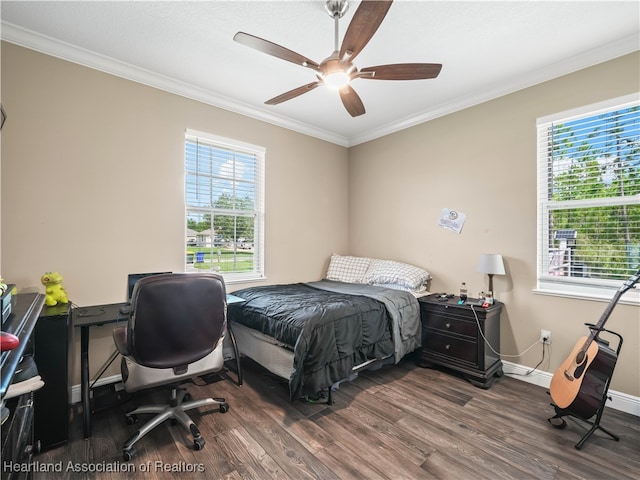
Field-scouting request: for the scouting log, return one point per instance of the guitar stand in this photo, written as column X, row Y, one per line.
column 595, row 425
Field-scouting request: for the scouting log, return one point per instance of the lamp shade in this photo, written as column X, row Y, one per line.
column 491, row 263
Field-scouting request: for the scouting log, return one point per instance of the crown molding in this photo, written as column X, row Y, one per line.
column 584, row 60
column 65, row 51
column 71, row 53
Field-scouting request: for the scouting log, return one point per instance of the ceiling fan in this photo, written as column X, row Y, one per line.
column 338, row 69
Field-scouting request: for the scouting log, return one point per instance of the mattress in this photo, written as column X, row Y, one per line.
column 317, row 334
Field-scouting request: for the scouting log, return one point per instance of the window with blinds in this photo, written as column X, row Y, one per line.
column 589, row 198
column 224, row 200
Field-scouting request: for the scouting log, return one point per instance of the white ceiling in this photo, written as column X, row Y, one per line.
column 487, row 48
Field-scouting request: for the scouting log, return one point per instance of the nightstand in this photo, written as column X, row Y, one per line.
column 451, row 338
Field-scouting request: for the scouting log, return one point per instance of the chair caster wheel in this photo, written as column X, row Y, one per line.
column 224, row 407
column 131, row 419
column 198, row 443
column 128, row 454
column 187, row 397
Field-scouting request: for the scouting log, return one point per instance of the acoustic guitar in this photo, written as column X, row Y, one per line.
column 578, row 385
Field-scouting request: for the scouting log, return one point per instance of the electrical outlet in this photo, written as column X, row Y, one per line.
column 545, row 337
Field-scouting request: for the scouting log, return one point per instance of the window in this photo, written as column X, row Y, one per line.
column 589, row 199
column 224, row 199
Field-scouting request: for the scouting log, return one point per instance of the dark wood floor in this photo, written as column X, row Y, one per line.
column 400, row 422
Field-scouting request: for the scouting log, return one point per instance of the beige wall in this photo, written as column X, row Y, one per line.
column 92, row 183
column 482, row 161
column 92, row 172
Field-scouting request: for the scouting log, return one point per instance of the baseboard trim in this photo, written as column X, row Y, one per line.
column 619, row 401
column 76, row 390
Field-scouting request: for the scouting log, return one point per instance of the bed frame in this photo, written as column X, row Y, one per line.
column 277, row 358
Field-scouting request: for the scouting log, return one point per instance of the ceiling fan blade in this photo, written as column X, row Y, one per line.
column 274, row 49
column 351, row 101
column 402, row 71
column 364, row 24
column 292, row 93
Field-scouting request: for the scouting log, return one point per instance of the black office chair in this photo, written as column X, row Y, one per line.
column 174, row 332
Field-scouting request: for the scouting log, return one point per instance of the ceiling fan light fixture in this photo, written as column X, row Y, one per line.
column 336, row 80
column 336, row 8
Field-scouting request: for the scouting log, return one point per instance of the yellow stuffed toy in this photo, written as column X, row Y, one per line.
column 55, row 292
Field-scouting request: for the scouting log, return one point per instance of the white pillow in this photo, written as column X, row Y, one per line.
column 347, row 269
column 383, row 272
column 421, row 289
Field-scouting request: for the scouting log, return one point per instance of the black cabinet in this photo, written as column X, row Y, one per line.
column 461, row 337
column 52, row 341
column 17, row 442
column 18, row 446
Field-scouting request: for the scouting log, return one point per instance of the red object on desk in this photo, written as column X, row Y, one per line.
column 8, row 341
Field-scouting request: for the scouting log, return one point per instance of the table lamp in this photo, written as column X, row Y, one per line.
column 491, row 264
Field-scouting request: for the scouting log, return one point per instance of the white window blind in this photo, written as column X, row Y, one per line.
column 224, row 199
column 589, row 199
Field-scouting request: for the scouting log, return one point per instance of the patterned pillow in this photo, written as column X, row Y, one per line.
column 383, row 272
column 347, row 269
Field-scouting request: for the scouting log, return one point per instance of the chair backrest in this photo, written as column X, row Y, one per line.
column 176, row 319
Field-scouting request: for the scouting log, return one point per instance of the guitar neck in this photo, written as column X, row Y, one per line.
column 603, row 319
column 629, row 284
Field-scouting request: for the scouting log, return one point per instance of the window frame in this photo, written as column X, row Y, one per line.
column 258, row 212
column 570, row 286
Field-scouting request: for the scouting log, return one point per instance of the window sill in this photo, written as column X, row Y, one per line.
column 247, row 279
column 631, row 297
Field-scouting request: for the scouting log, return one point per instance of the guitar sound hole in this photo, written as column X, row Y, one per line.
column 579, row 371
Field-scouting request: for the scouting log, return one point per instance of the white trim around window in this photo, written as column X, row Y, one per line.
column 589, row 200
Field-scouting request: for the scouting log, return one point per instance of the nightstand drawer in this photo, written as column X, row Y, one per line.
column 453, row 336
column 451, row 323
column 453, row 347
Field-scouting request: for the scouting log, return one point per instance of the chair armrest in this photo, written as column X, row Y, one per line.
column 120, row 339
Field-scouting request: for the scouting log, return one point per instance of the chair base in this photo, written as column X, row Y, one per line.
column 174, row 410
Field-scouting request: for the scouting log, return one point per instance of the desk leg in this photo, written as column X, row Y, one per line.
column 84, row 383
column 232, row 337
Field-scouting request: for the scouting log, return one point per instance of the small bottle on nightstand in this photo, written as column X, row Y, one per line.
column 463, row 292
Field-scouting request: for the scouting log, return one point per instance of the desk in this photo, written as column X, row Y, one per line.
column 97, row 315
column 85, row 318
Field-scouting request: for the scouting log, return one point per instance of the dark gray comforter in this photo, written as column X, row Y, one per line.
column 330, row 326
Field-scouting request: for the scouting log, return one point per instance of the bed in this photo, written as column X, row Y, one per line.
column 317, row 334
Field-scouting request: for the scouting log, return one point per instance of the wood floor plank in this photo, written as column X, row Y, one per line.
column 448, row 438
column 442, row 465
column 388, row 435
column 248, row 458
column 345, row 465
column 293, row 416
column 363, row 444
